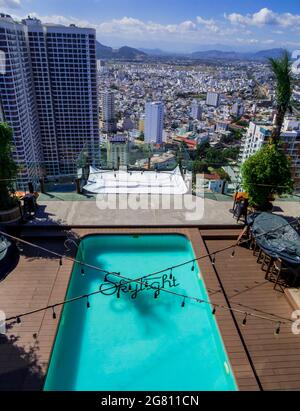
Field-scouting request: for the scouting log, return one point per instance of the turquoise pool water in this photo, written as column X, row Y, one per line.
column 140, row 343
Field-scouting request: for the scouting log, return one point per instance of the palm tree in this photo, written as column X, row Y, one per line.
column 281, row 69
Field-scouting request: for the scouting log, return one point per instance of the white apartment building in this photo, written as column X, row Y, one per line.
column 212, row 99
column 108, row 115
column 258, row 134
column 196, row 110
column 154, row 122
column 49, row 94
column 237, row 109
column 222, row 126
column 117, row 151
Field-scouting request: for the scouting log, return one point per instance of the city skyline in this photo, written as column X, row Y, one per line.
column 184, row 27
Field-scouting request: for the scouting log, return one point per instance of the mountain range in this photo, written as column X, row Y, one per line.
column 130, row 53
column 123, row 53
column 234, row 55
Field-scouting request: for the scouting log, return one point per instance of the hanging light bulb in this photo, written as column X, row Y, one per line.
column 82, row 270
column 213, row 259
column 18, row 320
column 233, row 253
column 277, row 330
column 171, row 274
column 60, row 261
column 183, row 303
column 245, row 320
column 53, row 313
column 214, row 310
column 193, row 266
column 88, row 305
column 129, row 287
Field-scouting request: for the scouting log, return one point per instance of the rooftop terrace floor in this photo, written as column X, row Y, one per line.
column 259, row 359
column 202, row 212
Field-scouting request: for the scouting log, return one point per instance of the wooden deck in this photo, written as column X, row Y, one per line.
column 276, row 360
column 36, row 282
column 259, row 360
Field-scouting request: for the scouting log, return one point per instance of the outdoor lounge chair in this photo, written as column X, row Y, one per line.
column 285, row 274
column 241, row 210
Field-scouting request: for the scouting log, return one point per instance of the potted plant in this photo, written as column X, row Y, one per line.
column 9, row 205
column 265, row 174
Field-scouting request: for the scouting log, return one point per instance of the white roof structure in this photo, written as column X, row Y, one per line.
column 135, row 182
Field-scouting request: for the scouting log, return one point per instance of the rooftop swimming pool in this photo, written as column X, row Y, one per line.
column 138, row 339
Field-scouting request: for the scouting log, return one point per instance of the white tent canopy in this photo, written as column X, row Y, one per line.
column 135, row 182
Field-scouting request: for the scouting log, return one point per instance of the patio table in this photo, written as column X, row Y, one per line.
column 280, row 240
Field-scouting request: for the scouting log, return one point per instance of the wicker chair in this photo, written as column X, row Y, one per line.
column 284, row 274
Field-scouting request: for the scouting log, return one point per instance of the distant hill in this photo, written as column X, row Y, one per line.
column 216, row 54
column 157, row 52
column 234, row 55
column 123, row 53
column 204, row 47
column 272, row 53
column 130, row 53
column 103, row 51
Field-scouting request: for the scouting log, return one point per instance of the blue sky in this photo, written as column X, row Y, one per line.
column 177, row 25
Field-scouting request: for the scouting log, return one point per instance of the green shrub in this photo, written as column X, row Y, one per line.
column 266, row 173
column 8, row 168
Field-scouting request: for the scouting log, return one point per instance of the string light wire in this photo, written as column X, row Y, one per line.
column 139, row 280
column 195, row 299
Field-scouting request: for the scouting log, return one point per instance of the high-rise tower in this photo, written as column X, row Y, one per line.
column 49, row 94
column 154, row 122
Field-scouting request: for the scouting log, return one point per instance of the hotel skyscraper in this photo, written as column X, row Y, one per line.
column 49, row 94
column 154, row 122
column 108, row 116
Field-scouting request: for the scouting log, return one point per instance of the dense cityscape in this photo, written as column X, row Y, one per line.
column 208, row 114
column 202, row 104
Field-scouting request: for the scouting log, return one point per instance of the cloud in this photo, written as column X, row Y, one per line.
column 268, row 41
column 132, row 26
column 210, row 24
column 58, row 19
column 186, row 34
column 249, row 41
column 10, row 4
column 265, row 17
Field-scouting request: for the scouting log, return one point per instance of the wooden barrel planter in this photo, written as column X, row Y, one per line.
column 10, row 216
